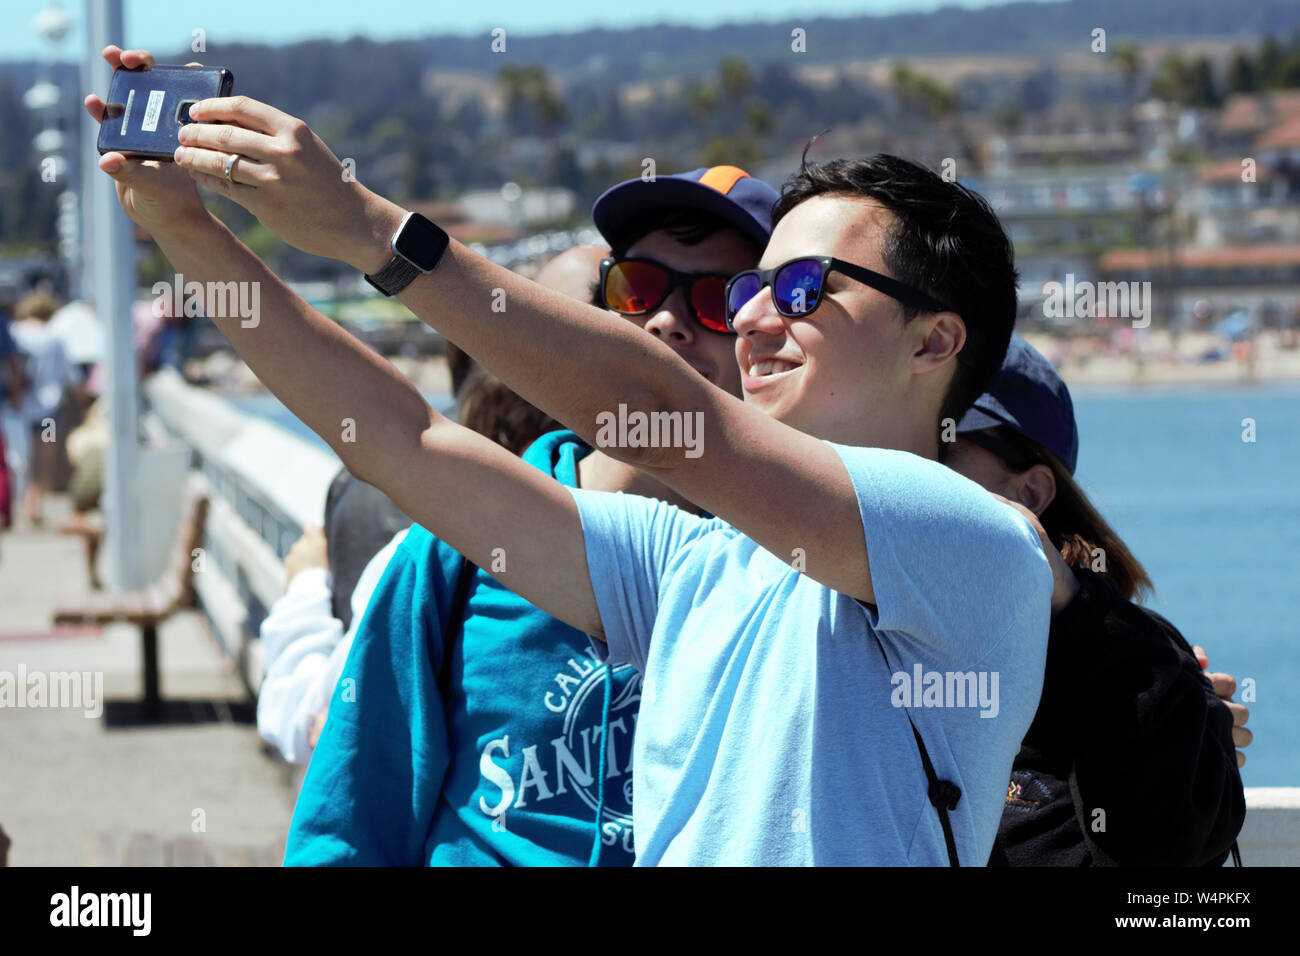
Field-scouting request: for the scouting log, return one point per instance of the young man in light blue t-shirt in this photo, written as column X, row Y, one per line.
column 850, row 581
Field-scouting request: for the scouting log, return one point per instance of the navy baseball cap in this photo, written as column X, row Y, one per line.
column 728, row 192
column 1028, row 396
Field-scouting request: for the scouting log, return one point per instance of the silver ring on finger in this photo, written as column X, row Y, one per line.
column 229, row 170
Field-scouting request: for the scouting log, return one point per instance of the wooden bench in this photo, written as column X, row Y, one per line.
column 149, row 607
column 90, row 529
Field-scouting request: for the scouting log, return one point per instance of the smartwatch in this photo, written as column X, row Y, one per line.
column 417, row 247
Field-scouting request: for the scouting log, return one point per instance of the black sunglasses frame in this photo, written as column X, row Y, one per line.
column 676, row 280
column 881, row 283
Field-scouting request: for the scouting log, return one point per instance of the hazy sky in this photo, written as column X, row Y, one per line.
column 168, row 24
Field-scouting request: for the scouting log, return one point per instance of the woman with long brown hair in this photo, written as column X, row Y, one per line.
column 1130, row 758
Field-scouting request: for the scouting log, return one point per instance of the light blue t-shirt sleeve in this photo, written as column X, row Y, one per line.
column 631, row 543
column 953, row 569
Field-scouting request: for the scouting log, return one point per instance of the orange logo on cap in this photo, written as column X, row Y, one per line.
column 722, row 178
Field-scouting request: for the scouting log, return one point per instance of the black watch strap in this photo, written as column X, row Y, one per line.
column 394, row 277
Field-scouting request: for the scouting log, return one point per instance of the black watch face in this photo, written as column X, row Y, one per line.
column 421, row 243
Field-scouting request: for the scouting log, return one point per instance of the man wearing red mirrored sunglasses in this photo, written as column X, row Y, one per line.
column 674, row 242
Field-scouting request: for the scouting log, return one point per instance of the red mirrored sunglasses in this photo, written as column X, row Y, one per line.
column 634, row 287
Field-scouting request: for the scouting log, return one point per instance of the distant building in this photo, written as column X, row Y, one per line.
column 1036, row 271
column 1245, row 116
column 1078, row 146
column 1264, row 279
column 521, row 208
column 1080, row 208
column 1240, row 202
column 1280, row 144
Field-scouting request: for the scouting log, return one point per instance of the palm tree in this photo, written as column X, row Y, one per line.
column 531, row 99
column 1128, row 61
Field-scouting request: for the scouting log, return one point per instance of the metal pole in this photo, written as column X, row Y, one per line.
column 86, row 156
column 113, row 290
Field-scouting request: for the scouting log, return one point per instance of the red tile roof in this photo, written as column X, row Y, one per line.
column 1284, row 135
column 1221, row 256
column 1250, row 112
column 1228, row 170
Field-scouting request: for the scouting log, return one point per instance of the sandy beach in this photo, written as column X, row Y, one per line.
column 1159, row 359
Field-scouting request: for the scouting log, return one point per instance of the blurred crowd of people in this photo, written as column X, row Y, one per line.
column 54, row 430
column 44, row 377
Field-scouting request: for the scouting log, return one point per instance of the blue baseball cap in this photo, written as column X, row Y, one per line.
column 728, row 192
column 1028, row 396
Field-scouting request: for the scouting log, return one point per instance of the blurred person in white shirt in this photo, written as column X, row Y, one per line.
column 49, row 375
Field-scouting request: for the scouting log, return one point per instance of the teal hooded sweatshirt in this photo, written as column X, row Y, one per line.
column 528, row 760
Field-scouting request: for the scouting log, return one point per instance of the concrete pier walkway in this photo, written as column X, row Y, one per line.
column 200, row 789
column 82, row 790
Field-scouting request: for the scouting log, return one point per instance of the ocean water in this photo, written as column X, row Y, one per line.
column 1215, row 520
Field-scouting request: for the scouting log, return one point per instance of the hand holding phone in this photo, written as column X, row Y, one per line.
column 156, row 194
column 147, row 106
column 282, row 173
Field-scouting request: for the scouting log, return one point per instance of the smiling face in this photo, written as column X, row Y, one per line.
column 710, row 353
column 847, row 371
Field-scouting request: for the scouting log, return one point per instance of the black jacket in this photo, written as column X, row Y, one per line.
column 360, row 520
column 1129, row 760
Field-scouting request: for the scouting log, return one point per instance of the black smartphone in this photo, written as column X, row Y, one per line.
column 146, row 107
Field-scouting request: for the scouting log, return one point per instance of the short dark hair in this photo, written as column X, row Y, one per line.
column 688, row 226
column 459, row 365
column 946, row 241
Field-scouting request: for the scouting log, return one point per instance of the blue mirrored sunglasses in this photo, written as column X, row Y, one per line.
column 797, row 286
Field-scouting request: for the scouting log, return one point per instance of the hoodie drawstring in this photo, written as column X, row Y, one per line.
column 600, row 786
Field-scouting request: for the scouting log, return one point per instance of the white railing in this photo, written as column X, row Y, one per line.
column 1271, row 836
column 265, row 485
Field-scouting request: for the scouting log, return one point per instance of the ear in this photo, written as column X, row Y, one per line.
column 945, row 334
column 1036, row 488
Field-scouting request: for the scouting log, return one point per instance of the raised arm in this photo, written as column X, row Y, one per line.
column 786, row 490
column 506, row 516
